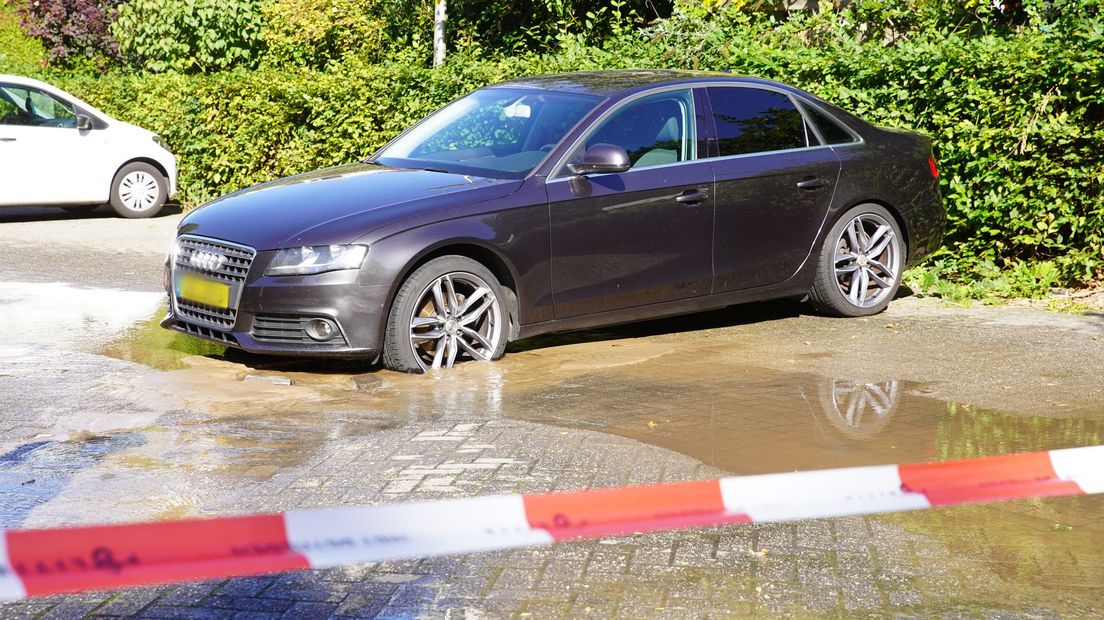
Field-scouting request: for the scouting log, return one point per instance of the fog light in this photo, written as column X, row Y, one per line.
column 321, row 329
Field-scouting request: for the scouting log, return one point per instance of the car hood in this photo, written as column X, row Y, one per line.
column 334, row 205
column 123, row 128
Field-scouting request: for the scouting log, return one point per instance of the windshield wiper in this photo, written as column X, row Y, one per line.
column 373, row 161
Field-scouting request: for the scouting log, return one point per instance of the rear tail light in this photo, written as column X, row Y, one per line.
column 931, row 166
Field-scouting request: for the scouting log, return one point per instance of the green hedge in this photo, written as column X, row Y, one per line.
column 1017, row 116
column 230, row 130
column 18, row 52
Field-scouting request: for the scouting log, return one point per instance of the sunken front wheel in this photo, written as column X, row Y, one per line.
column 450, row 309
column 860, row 264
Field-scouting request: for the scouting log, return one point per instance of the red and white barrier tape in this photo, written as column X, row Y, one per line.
column 39, row 562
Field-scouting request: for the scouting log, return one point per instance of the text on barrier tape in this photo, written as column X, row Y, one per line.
column 53, row 561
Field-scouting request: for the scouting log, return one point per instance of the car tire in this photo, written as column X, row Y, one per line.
column 138, row 190
column 450, row 308
column 860, row 263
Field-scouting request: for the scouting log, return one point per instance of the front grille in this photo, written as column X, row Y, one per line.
column 222, row 318
column 197, row 255
column 288, row 329
column 207, row 333
column 238, row 258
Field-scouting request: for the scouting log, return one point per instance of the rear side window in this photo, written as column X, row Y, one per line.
column 752, row 120
column 829, row 127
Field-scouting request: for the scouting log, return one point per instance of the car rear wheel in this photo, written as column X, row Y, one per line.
column 860, row 263
column 138, row 190
column 448, row 310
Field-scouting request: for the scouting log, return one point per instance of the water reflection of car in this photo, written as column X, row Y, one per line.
column 859, row 409
column 57, row 150
column 558, row 203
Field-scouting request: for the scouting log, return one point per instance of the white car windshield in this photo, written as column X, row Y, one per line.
column 502, row 133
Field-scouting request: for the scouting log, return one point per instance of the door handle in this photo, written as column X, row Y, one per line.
column 692, row 197
column 811, row 183
column 7, row 139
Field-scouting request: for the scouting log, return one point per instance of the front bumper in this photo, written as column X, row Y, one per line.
column 268, row 314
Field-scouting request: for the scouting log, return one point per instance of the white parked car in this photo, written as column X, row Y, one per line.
column 57, row 150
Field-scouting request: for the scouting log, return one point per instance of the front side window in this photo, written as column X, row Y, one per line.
column 654, row 130
column 27, row 106
column 753, row 120
column 502, row 133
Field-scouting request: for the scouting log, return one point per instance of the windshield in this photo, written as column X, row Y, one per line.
column 494, row 132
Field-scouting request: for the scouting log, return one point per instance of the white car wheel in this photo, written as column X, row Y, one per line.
column 138, row 191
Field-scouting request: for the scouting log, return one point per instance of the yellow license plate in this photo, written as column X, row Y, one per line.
column 203, row 291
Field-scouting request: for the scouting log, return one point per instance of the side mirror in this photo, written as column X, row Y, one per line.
column 84, row 122
column 601, row 159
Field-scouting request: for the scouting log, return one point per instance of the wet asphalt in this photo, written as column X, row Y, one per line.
column 106, row 418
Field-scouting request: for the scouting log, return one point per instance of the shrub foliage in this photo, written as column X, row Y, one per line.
column 188, row 35
column 19, row 53
column 75, row 32
column 315, row 33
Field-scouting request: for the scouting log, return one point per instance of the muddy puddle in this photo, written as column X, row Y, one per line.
column 251, row 418
column 688, row 395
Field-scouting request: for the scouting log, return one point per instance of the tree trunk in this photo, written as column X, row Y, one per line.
column 440, row 16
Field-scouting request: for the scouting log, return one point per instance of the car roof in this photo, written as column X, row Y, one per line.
column 618, row 82
column 23, row 81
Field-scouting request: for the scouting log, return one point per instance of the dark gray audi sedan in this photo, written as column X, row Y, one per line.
column 557, row 203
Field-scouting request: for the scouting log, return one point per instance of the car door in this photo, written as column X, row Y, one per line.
column 44, row 158
column 642, row 236
column 774, row 186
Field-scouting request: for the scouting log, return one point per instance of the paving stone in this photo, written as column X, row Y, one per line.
column 309, row 611
column 69, row 611
column 362, row 605
column 167, row 612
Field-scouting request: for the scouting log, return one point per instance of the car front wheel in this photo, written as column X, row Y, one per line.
column 861, row 263
column 138, row 190
column 448, row 310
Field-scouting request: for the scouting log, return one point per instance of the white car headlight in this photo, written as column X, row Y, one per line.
column 317, row 259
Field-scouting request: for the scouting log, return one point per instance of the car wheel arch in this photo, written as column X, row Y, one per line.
column 894, row 211
column 482, row 254
column 141, row 160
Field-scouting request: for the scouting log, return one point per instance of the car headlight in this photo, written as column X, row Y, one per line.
column 160, row 142
column 317, row 259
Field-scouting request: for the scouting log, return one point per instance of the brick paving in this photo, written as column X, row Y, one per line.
column 1021, row 559
column 863, row 566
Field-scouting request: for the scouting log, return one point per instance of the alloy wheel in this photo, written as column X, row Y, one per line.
column 457, row 315
column 867, row 260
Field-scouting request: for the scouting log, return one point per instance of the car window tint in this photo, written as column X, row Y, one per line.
column 24, row 106
column 13, row 106
column 832, row 131
column 753, row 120
column 53, row 112
column 654, row 130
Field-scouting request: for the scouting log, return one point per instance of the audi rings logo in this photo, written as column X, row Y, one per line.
column 207, row 261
